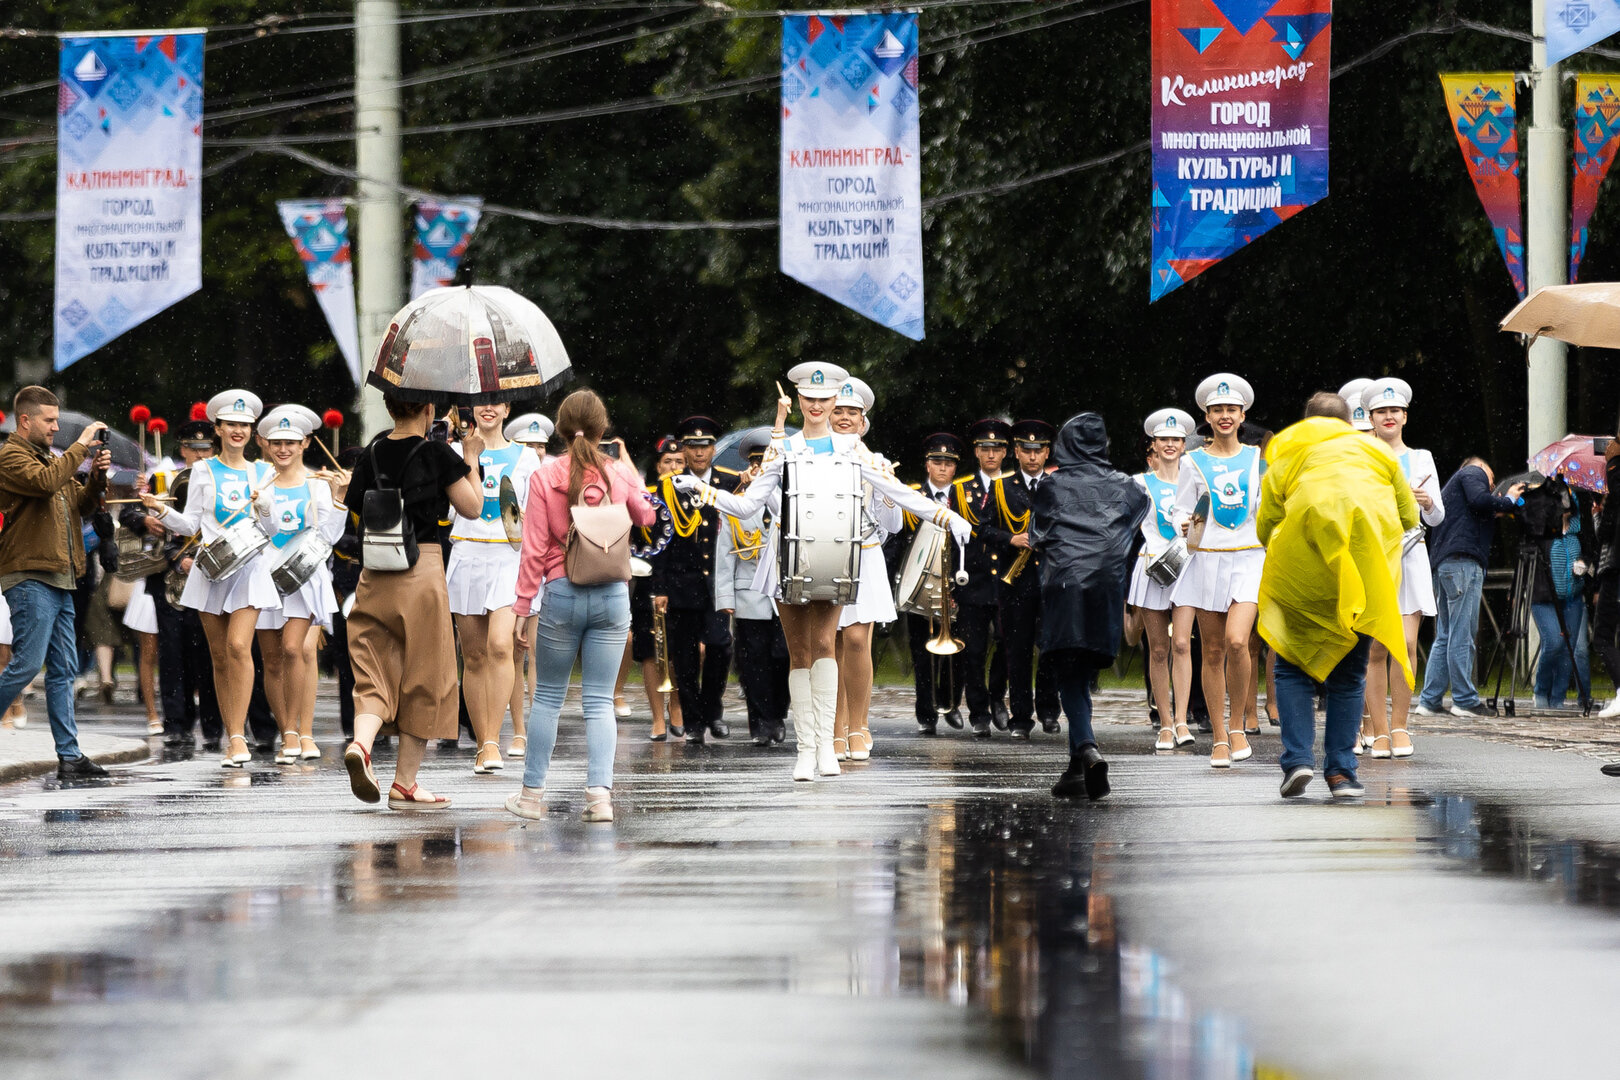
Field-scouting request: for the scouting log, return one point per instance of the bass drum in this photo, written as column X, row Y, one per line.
column 820, row 550
column 921, row 588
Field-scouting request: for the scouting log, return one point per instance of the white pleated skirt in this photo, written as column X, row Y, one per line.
column 481, row 577
column 1417, row 582
column 249, row 587
column 1215, row 580
column 874, row 603
column 1145, row 592
column 141, row 614
column 314, row 600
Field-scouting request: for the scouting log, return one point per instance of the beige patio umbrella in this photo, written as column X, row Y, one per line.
column 1579, row 314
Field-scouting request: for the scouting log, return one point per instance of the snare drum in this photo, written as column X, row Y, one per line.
column 1164, row 568
column 820, row 549
column 300, row 561
column 174, row 585
column 140, row 555
column 921, row 588
column 231, row 550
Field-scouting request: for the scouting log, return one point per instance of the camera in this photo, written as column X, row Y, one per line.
column 101, row 439
column 611, row 449
column 1543, row 509
column 439, row 431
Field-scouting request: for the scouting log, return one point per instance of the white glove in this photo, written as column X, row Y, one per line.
column 961, row 531
column 1578, row 568
column 687, row 483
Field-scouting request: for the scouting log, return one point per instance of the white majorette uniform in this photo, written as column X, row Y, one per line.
column 140, row 614
column 1225, row 569
column 483, row 567
column 1159, row 527
column 1352, row 393
column 1417, row 579
column 881, row 518
column 219, row 494
column 286, row 512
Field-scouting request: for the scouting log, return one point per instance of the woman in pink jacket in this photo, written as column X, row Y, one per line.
column 585, row 621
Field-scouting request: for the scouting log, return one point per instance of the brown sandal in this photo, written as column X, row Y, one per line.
column 405, row 799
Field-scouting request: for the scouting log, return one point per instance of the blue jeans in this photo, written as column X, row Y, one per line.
column 1345, row 687
column 42, row 634
column 1457, row 586
column 1073, row 677
column 1552, row 673
column 591, row 622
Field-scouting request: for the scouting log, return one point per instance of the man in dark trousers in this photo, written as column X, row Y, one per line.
column 938, row 679
column 976, row 601
column 762, row 654
column 699, row 637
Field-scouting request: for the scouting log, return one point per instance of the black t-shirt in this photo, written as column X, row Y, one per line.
column 431, row 473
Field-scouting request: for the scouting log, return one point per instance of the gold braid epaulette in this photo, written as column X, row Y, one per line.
column 962, row 506
column 686, row 524
column 1014, row 524
column 745, row 545
column 912, row 520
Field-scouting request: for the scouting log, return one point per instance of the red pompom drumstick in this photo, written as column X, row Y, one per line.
column 199, row 410
column 138, row 416
column 333, row 419
column 159, row 427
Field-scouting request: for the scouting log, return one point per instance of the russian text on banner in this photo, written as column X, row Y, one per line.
column 443, row 231
column 320, row 234
column 1597, row 137
column 128, row 183
column 1484, row 115
column 851, row 218
column 1573, row 25
column 1240, row 125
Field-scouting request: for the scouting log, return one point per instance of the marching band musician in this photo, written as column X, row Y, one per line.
column 533, row 431
column 1018, row 602
column 666, row 709
column 811, row 628
column 975, row 611
column 698, row 637
column 1352, row 392
column 218, row 498
column 1221, row 583
column 1168, row 429
column 762, row 657
column 294, row 503
column 874, row 601
column 937, row 679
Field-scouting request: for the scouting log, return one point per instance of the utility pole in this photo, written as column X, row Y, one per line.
column 380, row 231
column 1546, row 234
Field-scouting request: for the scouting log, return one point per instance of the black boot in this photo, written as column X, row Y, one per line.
column 79, row 768
column 954, row 718
column 1087, row 774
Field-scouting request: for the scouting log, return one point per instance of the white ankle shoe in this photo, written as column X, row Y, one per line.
column 1611, row 710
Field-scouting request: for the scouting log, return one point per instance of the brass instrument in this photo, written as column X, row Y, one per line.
column 942, row 643
column 661, row 651
column 1017, row 566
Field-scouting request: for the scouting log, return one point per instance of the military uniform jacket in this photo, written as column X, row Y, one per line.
column 984, row 552
column 1010, row 503
column 684, row 571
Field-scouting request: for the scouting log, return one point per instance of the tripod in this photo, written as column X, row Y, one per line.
column 1531, row 568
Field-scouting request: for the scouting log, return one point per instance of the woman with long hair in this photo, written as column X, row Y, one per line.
column 811, row 628
column 220, row 497
column 1168, row 430
column 584, row 622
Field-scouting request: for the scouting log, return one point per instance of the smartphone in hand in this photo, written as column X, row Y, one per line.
column 439, row 431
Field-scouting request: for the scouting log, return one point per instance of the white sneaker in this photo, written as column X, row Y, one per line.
column 1611, row 710
column 1424, row 710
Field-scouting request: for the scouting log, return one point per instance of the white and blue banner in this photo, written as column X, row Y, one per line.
column 851, row 225
column 1573, row 25
column 128, row 183
column 319, row 229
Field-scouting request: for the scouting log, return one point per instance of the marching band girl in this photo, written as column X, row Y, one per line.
column 1386, row 402
column 1220, row 584
column 1168, row 428
column 294, row 503
column 219, row 498
column 811, row 628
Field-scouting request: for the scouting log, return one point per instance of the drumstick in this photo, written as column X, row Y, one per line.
column 332, row 458
column 124, row 502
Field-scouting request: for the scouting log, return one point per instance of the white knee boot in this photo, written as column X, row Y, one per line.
column 804, row 724
column 824, row 700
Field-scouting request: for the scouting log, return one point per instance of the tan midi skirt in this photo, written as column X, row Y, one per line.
column 403, row 650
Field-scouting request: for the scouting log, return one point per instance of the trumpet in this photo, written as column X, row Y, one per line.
column 1017, row 566
column 661, row 652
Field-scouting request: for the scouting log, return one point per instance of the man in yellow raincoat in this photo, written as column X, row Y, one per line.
column 1333, row 508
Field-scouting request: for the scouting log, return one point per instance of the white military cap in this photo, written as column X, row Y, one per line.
column 1351, row 392
column 1225, row 389
column 530, row 427
column 856, row 392
column 1169, row 424
column 241, row 406
column 293, row 422
column 1387, row 394
column 1353, row 388
column 818, row 380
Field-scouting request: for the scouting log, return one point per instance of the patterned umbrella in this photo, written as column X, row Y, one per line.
column 470, row 345
column 1575, row 459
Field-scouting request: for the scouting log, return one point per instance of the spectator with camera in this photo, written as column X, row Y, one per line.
column 1460, row 549
column 42, row 555
column 1558, row 598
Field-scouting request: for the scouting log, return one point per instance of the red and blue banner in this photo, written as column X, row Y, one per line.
column 1484, row 115
column 1240, row 125
column 443, row 231
column 1597, row 137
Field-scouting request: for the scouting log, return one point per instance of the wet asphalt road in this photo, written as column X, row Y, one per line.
column 933, row 913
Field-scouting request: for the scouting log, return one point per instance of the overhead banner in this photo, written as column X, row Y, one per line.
column 1597, row 137
column 851, row 225
column 1240, row 125
column 1485, row 117
column 443, row 231
column 320, row 234
column 1573, row 25
column 128, row 183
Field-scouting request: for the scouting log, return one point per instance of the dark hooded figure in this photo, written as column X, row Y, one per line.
column 1087, row 526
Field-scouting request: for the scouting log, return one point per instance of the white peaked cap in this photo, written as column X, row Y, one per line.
column 1225, row 389
column 1169, row 424
column 292, row 422
column 1387, row 394
column 856, row 392
column 818, row 380
column 530, row 427
column 242, row 406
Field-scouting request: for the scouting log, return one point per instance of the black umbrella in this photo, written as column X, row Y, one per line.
column 126, row 452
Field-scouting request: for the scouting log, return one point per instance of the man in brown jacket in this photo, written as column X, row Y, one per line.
column 41, row 556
